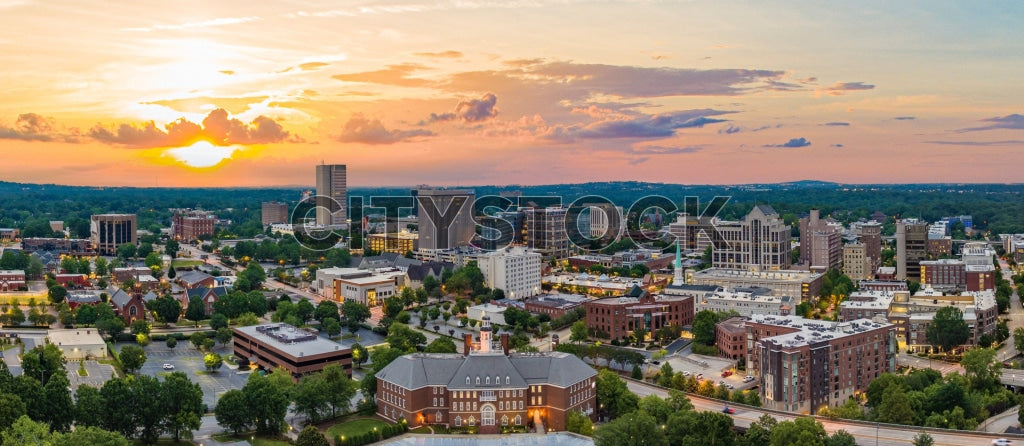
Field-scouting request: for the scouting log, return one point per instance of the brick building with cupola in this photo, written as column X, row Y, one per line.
column 486, row 387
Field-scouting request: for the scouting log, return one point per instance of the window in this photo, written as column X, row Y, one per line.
column 458, row 421
column 520, row 406
column 467, row 380
column 472, row 420
column 504, row 420
column 520, row 392
column 519, row 420
column 501, row 405
column 442, row 400
column 508, row 380
column 487, row 415
column 474, row 406
column 435, row 401
column 438, row 417
column 487, row 380
column 478, row 380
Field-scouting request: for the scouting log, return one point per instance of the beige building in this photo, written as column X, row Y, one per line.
column 856, row 264
column 515, row 270
column 79, row 343
column 758, row 242
column 274, row 212
column 111, row 230
column 398, row 242
column 911, row 248
column 544, row 231
column 820, row 242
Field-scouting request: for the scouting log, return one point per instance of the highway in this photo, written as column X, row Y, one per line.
column 865, row 433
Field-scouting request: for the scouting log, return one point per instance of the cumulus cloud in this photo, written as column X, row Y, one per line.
column 792, row 143
column 642, row 126
column 217, row 128
column 360, row 129
column 473, row 110
column 840, row 88
column 1012, row 122
column 440, row 55
column 837, row 124
column 35, row 127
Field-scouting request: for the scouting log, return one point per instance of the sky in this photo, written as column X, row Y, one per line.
column 475, row 92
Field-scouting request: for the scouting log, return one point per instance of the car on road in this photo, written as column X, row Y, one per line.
column 728, row 410
column 686, row 373
column 168, row 366
column 721, row 382
column 1001, row 442
column 726, row 373
column 730, row 386
column 700, row 376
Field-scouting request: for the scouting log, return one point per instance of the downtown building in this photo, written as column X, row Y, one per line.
column 298, row 351
column 515, row 270
column 486, row 387
column 544, row 231
column 620, row 317
column 821, row 243
column 438, row 207
column 911, row 248
column 188, row 225
column 274, row 212
column 800, row 285
column 112, row 230
column 332, row 195
column 758, row 242
column 806, row 365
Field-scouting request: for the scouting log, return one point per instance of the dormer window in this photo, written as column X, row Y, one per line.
column 467, row 380
column 478, row 380
column 508, row 380
column 488, row 380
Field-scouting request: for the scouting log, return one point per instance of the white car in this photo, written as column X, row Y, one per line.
column 168, row 366
column 1001, row 442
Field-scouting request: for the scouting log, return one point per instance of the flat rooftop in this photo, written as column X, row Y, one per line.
column 78, row 336
column 287, row 338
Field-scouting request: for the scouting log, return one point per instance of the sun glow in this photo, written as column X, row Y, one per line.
column 202, row 154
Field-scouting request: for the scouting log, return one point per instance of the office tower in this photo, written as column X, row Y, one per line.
column 274, row 212
column 332, row 196
column 110, row 230
column 758, row 242
column 436, row 211
column 911, row 248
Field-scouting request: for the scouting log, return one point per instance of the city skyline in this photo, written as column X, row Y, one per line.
column 529, row 92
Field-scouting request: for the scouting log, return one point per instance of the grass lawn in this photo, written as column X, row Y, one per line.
column 420, row 430
column 185, row 263
column 352, row 427
column 257, row 441
column 82, row 372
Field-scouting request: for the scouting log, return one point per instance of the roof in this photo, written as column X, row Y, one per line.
column 287, row 338
column 201, row 291
column 78, row 336
column 150, row 296
column 118, row 297
column 193, row 277
column 417, row 370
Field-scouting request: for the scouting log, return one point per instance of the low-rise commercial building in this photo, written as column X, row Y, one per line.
column 397, row 242
column 620, row 317
column 112, row 230
column 799, row 285
column 79, row 343
column 12, row 280
column 191, row 224
column 300, row 352
column 554, row 305
column 746, row 302
column 65, row 246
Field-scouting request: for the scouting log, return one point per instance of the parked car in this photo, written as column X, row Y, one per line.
column 700, row 376
column 748, row 378
column 686, row 373
column 726, row 373
column 730, row 386
column 168, row 366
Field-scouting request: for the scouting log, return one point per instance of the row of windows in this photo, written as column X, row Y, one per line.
column 487, row 380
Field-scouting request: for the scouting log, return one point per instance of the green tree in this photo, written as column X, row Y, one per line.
column 311, row 398
column 578, row 422
column 85, row 315
column 894, row 407
column 441, row 345
column 268, row 402
column 326, row 309
column 89, row 406
column 144, row 250
column 182, row 402
column 212, row 361
column 981, row 367
column 631, row 429
column 304, row 310
column 196, row 310
column 88, row 436
column 126, row 251
column 11, row 408
column 1018, row 338
column 840, row 438
column 760, row 431
column 923, row 439
column 403, row 338
column 197, row 339
column 948, row 329
column 247, row 319
column 172, row 342
column 167, row 309
column 224, row 335
column 311, row 436
column 689, row 428
column 57, row 294
column 132, row 358
column 139, row 327
column 359, row 355
column 43, row 361
column 232, row 411
column 331, row 326
column 25, row 432
column 578, row 332
column 704, row 327
column 218, row 321
column 804, row 431
column 613, row 398
column 355, row 314
column 656, row 407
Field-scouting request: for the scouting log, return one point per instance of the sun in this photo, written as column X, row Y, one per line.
column 202, row 154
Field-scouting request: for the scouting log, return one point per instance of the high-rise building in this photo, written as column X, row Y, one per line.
column 911, row 248
column 545, row 231
column 691, row 232
column 821, row 244
column 871, row 237
column 332, row 195
column 758, row 242
column 856, row 264
column 111, row 230
column 441, row 207
column 604, row 218
column 274, row 212
column 191, row 224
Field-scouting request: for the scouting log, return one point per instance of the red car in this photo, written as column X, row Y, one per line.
column 726, row 373
column 728, row 410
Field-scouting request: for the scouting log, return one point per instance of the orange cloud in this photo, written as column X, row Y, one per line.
column 217, row 128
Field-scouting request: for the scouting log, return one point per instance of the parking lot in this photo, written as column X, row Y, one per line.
column 710, row 367
column 188, row 360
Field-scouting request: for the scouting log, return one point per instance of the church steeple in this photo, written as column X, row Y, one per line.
column 485, row 334
column 678, row 273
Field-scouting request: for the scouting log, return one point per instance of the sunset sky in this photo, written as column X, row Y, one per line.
column 472, row 92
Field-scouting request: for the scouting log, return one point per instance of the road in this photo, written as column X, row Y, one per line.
column 214, row 260
column 1015, row 318
column 865, row 433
